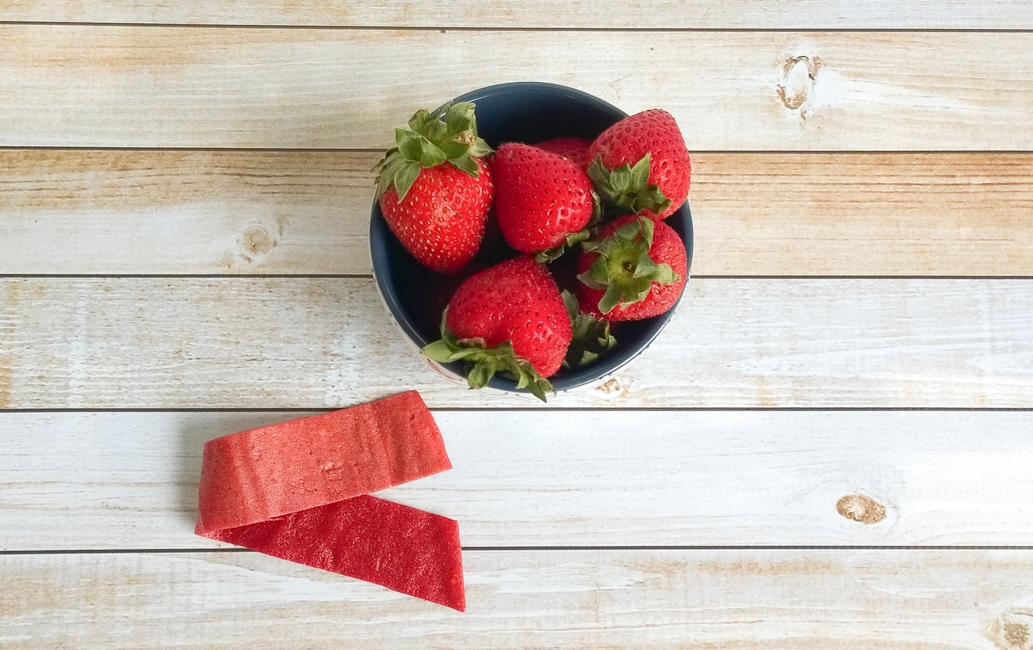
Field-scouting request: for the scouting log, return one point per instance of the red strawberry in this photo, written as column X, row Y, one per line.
column 641, row 164
column 636, row 269
column 509, row 318
column 543, row 200
column 435, row 188
column 573, row 149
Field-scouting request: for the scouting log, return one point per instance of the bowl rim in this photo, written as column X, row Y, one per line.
column 594, row 374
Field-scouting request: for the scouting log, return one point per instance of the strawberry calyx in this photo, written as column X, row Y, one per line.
column 449, row 134
column 628, row 186
column 591, row 338
column 624, row 269
column 485, row 362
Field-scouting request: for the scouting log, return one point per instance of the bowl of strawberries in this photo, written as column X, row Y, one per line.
column 529, row 237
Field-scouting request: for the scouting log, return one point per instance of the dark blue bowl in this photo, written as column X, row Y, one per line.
column 513, row 112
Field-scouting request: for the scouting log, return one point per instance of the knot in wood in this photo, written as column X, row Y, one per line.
column 257, row 241
column 861, row 508
column 796, row 80
column 1012, row 631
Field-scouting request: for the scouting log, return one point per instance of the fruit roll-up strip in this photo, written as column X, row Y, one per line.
column 298, row 491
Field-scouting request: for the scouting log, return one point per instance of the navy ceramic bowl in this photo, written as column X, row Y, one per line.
column 513, row 112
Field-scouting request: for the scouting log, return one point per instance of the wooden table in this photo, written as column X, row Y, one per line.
column 829, row 447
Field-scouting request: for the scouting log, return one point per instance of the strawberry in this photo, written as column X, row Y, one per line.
column 641, row 164
column 573, row 149
column 509, row 318
column 435, row 187
column 635, row 269
column 543, row 200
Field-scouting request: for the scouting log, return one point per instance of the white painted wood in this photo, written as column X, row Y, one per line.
column 945, row 214
column 307, row 212
column 528, row 477
column 201, row 87
column 643, row 14
column 139, row 212
column 752, row 600
column 76, row 481
column 324, row 342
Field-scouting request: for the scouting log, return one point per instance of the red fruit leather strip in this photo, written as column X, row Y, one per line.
column 297, row 491
column 402, row 548
column 272, row 471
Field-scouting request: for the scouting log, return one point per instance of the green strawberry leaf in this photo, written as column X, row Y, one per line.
column 572, row 305
column 404, row 178
column 409, row 144
column 591, row 336
column 597, row 212
column 640, row 172
column 458, row 118
column 439, row 351
column 418, row 122
column 648, row 227
column 665, row 274
column 635, row 231
column 539, row 386
column 480, row 374
column 480, row 148
column 610, row 299
column 465, row 164
column 454, row 149
column 645, row 267
column 627, row 187
column 431, row 155
column 436, row 131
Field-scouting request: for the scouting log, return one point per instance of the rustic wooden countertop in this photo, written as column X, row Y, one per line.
column 829, row 447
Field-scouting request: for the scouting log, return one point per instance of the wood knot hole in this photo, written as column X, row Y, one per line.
column 861, row 508
column 1016, row 635
column 257, row 241
column 1012, row 631
column 610, row 387
column 796, row 81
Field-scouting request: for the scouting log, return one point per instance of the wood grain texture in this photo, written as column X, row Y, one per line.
column 133, row 86
column 627, row 478
column 752, row 600
column 324, row 342
column 642, row 14
column 307, row 212
column 906, row 214
column 154, row 212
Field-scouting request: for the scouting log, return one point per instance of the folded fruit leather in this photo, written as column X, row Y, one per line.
column 299, row 491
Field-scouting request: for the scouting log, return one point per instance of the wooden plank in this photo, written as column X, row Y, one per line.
column 752, row 600
column 133, row 86
column 306, row 212
column 863, row 214
column 153, row 212
column 644, row 14
column 322, row 342
column 75, row 481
